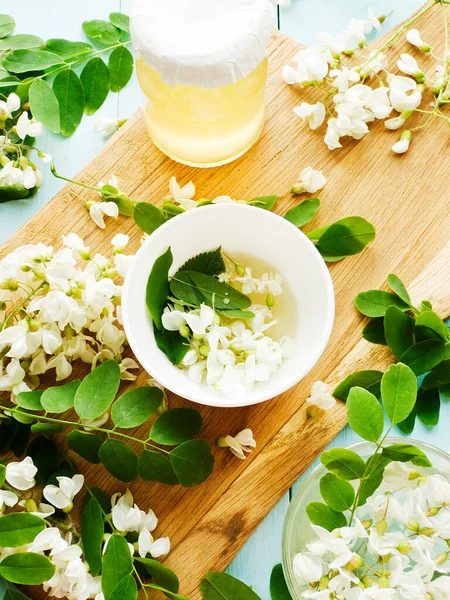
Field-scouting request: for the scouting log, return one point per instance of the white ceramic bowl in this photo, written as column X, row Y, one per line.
column 239, row 229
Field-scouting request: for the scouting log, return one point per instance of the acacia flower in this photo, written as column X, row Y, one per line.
column 402, row 145
column 20, row 475
column 98, row 211
column 344, row 77
column 240, row 444
column 7, row 499
column 413, row 37
column 307, row 568
column 182, row 195
column 249, row 283
column 314, row 114
column 310, row 181
column 321, row 396
column 147, row 545
column 197, row 321
column 62, row 495
column 107, row 125
column 408, row 65
column 9, row 106
column 404, row 93
column 38, row 510
column 26, row 126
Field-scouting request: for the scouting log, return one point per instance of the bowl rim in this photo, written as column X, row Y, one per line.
column 319, row 469
column 213, row 400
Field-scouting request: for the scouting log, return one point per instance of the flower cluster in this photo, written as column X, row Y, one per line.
column 395, row 548
column 61, row 542
column 232, row 355
column 58, row 306
column 352, row 104
column 19, row 177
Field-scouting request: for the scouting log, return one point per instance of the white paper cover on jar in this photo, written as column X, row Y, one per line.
column 207, row 43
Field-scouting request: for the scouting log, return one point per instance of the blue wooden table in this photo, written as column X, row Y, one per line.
column 301, row 21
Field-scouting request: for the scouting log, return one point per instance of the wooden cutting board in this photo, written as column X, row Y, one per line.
column 406, row 197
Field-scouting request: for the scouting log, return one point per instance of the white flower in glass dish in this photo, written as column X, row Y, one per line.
column 10, row 105
column 239, row 444
column 307, row 568
column 28, row 127
column 7, row 498
column 330, row 542
column 408, row 65
column 183, row 195
column 321, row 396
column 21, row 475
column 314, row 114
column 147, row 545
column 249, row 283
column 270, row 283
column 404, row 93
column 414, row 38
column 61, row 496
column 311, row 181
column 343, row 77
column 100, row 210
column 196, row 320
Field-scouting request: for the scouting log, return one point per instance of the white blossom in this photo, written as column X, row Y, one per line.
column 344, row 77
column 61, row 496
column 413, row 37
column 106, row 125
column 240, row 444
column 147, row 545
column 307, row 568
column 7, row 498
column 408, row 65
column 21, row 475
column 310, row 181
column 182, row 195
column 404, row 93
column 98, row 211
column 10, row 105
column 321, row 396
column 403, row 144
column 26, row 126
column 311, row 67
column 314, row 114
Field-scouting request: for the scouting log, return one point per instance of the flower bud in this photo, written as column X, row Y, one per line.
column 117, row 300
column 9, row 284
column 356, row 562
column 68, row 509
column 30, row 505
column 381, row 527
column 240, row 271
column 270, row 300
column 367, row 582
column 204, row 350
column 184, row 330
column 383, row 583
column 297, row 188
column 413, row 474
column 236, row 346
column 25, row 268
column 367, row 523
column 312, row 411
column 34, row 325
column 433, row 511
column 427, row 531
column 2, row 305
column 404, row 547
column 221, row 443
column 441, row 558
column 412, row 525
column 323, row 582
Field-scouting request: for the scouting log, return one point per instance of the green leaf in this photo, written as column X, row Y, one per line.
column 30, row 400
column 176, row 426
column 398, row 287
column 120, row 67
column 2, row 474
column 424, row 356
column 172, row 344
column 148, row 217
column 303, row 213
column 101, row 32
column 85, row 444
column 407, row 426
column 23, row 61
column 21, row 439
column 278, row 586
column 364, row 414
column 162, row 575
column 46, row 428
column 27, row 568
column 430, row 320
column 18, row 529
column 197, row 288
column 60, row 398
column 158, row 287
column 170, row 210
column 369, row 380
column 375, row 467
column 21, row 41
column 236, row 314
column 439, row 376
column 120, row 21
column 95, row 80
column 209, row 263
column 70, row 95
column 265, row 202
column 8, row 85
column 136, row 406
column 444, row 392
column 338, row 494
column 323, row 516
column 407, row 453
column 399, row 392
column 97, row 391
column 398, row 330
column 428, row 406
column 346, row 237
column 67, row 49
column 425, row 305
column 222, row 586
column 45, row 456
column 373, row 332
column 154, row 466
column 126, row 589
column 119, row 460
column 44, row 104
column 117, row 564
column 12, row 593
column 192, row 462
column 7, row 25
column 92, row 530
column 344, row 463
column 375, row 303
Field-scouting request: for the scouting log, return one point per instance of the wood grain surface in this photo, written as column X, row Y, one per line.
column 405, row 197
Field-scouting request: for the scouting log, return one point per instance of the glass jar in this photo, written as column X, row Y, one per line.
column 202, row 66
column 297, row 531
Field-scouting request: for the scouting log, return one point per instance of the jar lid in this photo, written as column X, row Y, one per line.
column 207, row 43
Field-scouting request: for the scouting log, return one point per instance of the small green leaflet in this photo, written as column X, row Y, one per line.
column 407, row 426
column 101, row 32
column 365, row 415
column 70, row 95
column 30, row 400
column 373, row 332
column 148, row 217
column 85, row 444
column 375, row 303
column 136, row 406
column 21, row 42
column 7, row 25
column 26, row 568
column 346, row 237
column 222, row 586
column 344, row 463
column 431, row 321
column 176, row 426
column 192, row 462
column 337, row 493
column 398, row 330
column 237, row 314
column 398, row 287
column 119, row 460
column 18, row 529
column 369, row 380
column 95, row 80
column 23, row 61
column 424, row 356
column 323, row 516
column 117, row 564
column 439, row 376
column 158, row 287
column 97, row 391
column 44, row 105
column 92, row 530
column 197, row 288
column 172, row 344
column 209, row 263
column 120, row 66
column 126, row 589
column 278, row 586
column 67, row 49
column 265, row 202
column 120, row 21
column 163, row 576
column 154, row 466
column 303, row 213
column 399, row 392
column 407, row 453
column 428, row 406
column 60, row 398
